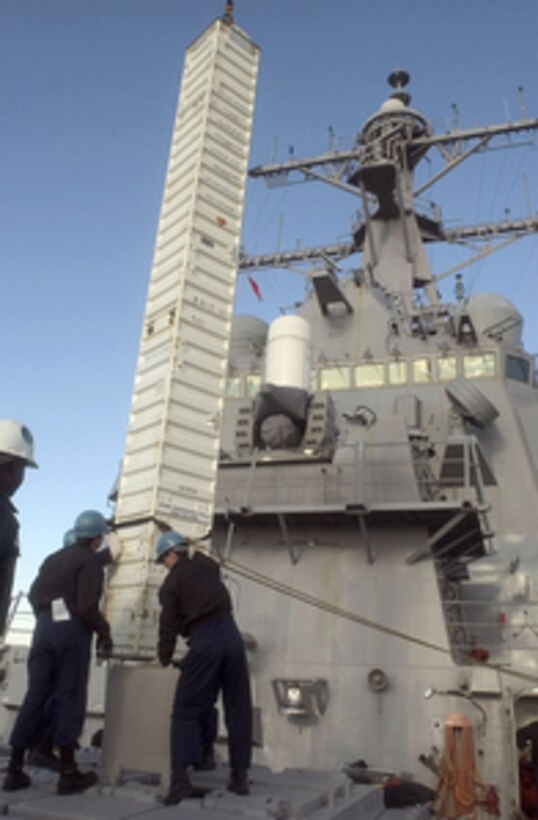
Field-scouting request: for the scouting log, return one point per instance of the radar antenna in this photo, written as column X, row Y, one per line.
column 399, row 79
column 228, row 16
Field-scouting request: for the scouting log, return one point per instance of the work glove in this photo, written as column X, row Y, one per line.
column 114, row 545
column 104, row 648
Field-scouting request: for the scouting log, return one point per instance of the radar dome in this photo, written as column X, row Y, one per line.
column 393, row 104
column 496, row 317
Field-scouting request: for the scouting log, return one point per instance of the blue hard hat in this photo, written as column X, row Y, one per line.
column 70, row 538
column 90, row 524
column 169, row 541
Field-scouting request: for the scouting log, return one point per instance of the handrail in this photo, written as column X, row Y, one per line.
column 363, row 473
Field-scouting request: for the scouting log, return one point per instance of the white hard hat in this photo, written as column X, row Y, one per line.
column 16, row 441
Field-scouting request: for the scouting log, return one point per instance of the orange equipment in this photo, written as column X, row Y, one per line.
column 460, row 789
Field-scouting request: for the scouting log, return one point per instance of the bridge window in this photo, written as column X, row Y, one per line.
column 447, row 368
column 253, row 383
column 397, row 372
column 233, row 387
column 334, row 378
column 369, row 375
column 517, row 368
column 422, row 371
column 479, row 365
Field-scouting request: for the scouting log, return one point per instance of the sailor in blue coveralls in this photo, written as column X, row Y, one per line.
column 16, row 453
column 43, row 755
column 196, row 604
column 65, row 598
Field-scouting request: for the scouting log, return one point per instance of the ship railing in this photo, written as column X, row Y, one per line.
column 20, row 622
column 506, row 630
column 362, row 473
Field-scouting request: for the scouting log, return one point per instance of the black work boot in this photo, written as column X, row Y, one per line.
column 181, row 787
column 238, row 782
column 16, row 779
column 72, row 781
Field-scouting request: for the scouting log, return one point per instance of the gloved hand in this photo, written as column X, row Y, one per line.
column 115, row 546
column 104, row 648
column 164, row 660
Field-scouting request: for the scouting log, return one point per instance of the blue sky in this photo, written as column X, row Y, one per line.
column 88, row 90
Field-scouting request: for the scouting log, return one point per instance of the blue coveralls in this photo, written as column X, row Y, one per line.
column 215, row 662
column 196, row 604
column 69, row 584
column 49, row 715
column 58, row 667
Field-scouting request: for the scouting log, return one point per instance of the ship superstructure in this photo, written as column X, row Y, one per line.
column 378, row 513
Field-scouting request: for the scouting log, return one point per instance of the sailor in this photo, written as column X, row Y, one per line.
column 43, row 755
column 65, row 598
column 196, row 604
column 16, row 453
column 108, row 554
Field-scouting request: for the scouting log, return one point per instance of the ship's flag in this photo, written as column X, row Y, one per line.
column 254, row 285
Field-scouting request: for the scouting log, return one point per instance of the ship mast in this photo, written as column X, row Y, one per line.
column 379, row 171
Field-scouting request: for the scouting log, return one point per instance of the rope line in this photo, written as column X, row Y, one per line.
column 348, row 615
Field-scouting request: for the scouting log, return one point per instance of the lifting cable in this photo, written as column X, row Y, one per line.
column 348, row 615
